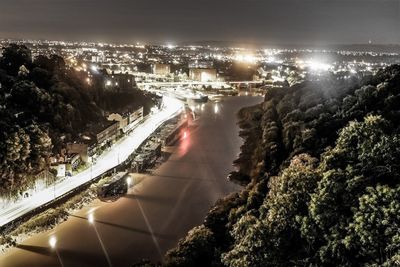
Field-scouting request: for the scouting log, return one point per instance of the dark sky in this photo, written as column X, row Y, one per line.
column 262, row 21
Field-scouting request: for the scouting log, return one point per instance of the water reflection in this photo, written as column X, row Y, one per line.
column 216, row 108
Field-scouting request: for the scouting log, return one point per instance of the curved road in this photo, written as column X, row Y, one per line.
column 156, row 212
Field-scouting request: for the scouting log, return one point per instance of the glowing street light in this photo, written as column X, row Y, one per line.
column 91, row 218
column 129, row 181
column 91, row 221
column 53, row 242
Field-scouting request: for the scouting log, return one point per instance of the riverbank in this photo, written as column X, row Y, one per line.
column 155, row 214
column 52, row 214
column 107, row 161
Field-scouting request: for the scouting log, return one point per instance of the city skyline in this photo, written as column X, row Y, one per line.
column 306, row 22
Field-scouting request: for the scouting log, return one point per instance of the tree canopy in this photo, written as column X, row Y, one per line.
column 43, row 105
column 321, row 175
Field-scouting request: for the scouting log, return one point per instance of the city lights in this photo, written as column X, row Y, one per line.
column 199, row 133
column 246, row 58
column 318, row 66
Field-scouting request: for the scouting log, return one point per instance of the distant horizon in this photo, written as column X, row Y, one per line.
column 266, row 22
column 223, row 43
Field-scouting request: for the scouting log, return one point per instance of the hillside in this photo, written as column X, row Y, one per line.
column 322, row 181
column 43, row 105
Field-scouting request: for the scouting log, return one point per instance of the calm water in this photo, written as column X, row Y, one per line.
column 158, row 211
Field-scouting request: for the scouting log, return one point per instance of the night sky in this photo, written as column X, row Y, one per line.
column 257, row 21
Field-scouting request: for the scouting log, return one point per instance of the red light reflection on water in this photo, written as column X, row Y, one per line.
column 184, row 143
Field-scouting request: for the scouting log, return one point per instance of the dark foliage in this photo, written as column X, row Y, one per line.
column 321, row 164
column 43, row 105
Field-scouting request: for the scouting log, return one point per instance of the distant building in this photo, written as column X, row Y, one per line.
column 128, row 120
column 203, row 75
column 121, row 81
column 135, row 118
column 161, row 69
column 123, row 120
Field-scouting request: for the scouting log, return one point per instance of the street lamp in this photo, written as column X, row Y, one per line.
column 91, row 221
column 129, row 181
column 53, row 242
column 91, row 218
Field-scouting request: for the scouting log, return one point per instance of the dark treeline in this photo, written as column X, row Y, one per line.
column 321, row 168
column 43, row 105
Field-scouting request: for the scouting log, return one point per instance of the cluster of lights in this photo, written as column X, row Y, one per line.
column 318, row 66
column 246, row 58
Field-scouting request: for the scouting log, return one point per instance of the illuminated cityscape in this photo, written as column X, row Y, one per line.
column 234, row 133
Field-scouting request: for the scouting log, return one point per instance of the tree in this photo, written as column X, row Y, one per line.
column 251, row 245
column 374, row 231
column 195, row 250
column 364, row 155
column 14, row 56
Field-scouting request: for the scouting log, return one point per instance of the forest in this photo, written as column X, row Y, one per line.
column 321, row 175
column 43, row 105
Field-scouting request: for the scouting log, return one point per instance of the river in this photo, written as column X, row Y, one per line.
column 156, row 212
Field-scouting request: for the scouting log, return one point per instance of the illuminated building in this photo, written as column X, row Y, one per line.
column 203, row 75
column 161, row 69
column 121, row 81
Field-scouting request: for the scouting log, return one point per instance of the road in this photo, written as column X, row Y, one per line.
column 156, row 212
column 108, row 160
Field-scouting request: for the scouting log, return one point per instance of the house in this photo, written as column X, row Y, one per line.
column 107, row 133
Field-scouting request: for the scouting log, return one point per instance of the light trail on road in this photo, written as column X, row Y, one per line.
column 119, row 152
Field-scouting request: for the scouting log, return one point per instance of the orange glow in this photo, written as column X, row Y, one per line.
column 184, row 144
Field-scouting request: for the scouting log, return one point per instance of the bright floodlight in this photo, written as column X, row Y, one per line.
column 91, row 218
column 52, row 241
column 318, row 66
column 247, row 58
column 271, row 59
